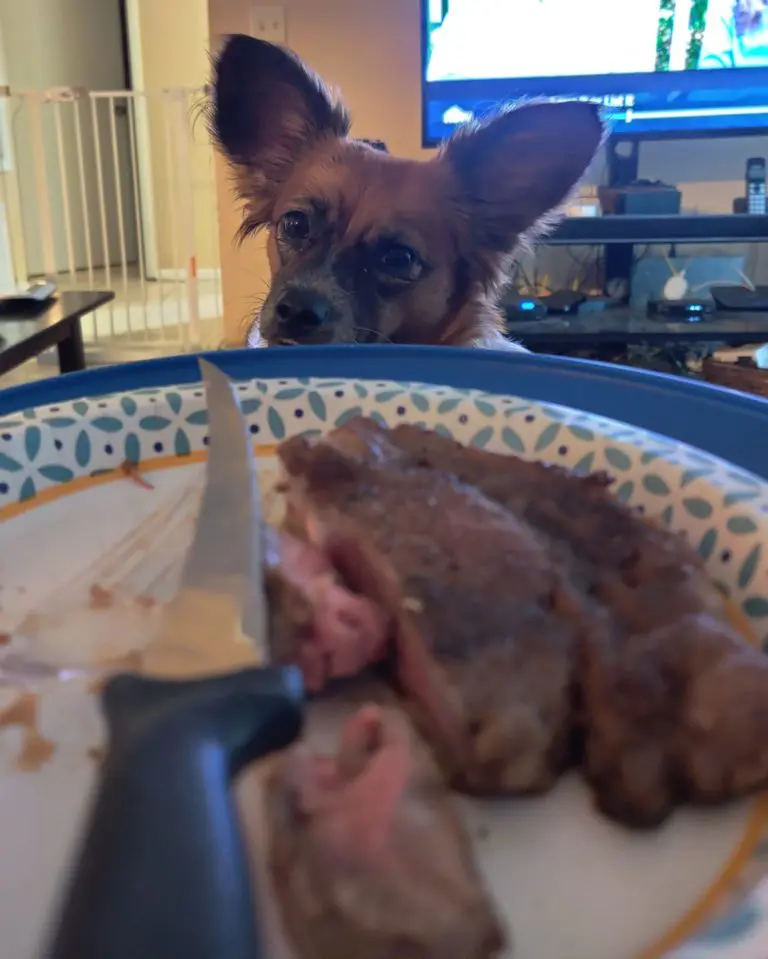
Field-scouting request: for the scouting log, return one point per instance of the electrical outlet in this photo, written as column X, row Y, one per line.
column 268, row 23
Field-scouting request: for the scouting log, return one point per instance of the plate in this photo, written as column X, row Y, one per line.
column 726, row 423
column 572, row 885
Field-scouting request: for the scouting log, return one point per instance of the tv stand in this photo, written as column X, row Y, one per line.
column 623, row 162
column 680, row 228
column 620, row 233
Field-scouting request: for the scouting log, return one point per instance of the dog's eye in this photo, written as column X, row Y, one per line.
column 294, row 225
column 400, row 261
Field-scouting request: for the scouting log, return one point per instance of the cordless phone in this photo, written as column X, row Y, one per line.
column 755, row 181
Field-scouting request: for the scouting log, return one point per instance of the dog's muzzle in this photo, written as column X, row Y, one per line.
column 302, row 315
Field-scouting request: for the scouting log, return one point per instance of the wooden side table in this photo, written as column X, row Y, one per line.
column 28, row 332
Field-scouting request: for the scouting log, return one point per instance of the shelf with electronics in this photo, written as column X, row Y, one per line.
column 636, row 300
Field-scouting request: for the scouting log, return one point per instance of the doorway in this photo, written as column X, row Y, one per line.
column 71, row 219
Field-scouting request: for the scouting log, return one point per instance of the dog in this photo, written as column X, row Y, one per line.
column 366, row 247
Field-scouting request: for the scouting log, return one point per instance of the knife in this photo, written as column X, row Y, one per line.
column 162, row 871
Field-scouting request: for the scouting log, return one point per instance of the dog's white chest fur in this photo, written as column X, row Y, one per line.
column 492, row 341
column 495, row 341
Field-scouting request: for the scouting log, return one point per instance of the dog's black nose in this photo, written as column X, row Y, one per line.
column 301, row 312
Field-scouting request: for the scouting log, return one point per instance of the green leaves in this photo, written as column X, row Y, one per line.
column 618, row 459
column 707, row 544
column 511, row 440
column 276, row 423
column 482, row 438
column 181, row 444
column 8, row 464
column 582, row 434
column 83, row 448
column 32, row 442
column 698, row 507
column 749, row 566
column 547, row 437
column 317, row 405
column 655, row 485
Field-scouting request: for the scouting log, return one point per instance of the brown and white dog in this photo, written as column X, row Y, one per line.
column 365, row 247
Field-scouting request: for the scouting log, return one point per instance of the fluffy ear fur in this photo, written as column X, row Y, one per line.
column 515, row 170
column 267, row 111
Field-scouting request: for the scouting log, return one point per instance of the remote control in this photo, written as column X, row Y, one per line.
column 40, row 291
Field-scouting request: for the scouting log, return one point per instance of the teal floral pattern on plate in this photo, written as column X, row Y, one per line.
column 721, row 509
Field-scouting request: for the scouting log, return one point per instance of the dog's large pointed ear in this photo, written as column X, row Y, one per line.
column 267, row 111
column 515, row 170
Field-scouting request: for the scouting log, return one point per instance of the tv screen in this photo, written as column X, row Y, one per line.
column 659, row 67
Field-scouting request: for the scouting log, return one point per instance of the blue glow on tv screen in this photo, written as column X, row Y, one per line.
column 659, row 67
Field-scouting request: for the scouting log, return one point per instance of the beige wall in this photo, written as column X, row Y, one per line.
column 370, row 49
column 173, row 52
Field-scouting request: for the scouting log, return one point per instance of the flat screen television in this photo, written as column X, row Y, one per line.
column 661, row 68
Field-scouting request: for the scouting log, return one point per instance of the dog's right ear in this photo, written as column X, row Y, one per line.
column 268, row 110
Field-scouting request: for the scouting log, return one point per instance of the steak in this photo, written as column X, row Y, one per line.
column 657, row 635
column 646, row 575
column 533, row 620
column 316, row 622
column 483, row 630
column 678, row 714
column 368, row 855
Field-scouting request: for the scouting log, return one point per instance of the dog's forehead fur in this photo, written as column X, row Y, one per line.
column 365, row 194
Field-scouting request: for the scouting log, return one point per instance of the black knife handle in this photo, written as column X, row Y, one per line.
column 162, row 872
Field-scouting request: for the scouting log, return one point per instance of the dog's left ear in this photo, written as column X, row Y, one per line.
column 515, row 170
column 267, row 111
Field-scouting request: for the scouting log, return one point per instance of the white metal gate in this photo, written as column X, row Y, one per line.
column 115, row 190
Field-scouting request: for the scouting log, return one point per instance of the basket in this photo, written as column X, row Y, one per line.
column 735, row 376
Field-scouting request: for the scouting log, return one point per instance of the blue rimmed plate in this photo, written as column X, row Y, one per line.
column 572, row 884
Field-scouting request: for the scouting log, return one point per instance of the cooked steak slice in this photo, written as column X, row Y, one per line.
column 674, row 700
column 368, row 855
column 315, row 621
column 483, row 629
column 676, row 715
column 646, row 575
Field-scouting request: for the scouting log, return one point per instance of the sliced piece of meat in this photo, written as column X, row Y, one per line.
column 368, row 855
column 648, row 576
column 672, row 701
column 676, row 715
column 484, row 631
column 675, row 702
column 655, row 624
column 315, row 621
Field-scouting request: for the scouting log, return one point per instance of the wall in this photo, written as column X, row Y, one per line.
column 370, row 49
column 173, row 51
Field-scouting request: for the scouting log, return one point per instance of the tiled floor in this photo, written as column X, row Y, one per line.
column 146, row 319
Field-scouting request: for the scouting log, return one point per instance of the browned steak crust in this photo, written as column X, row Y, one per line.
column 484, row 635
column 530, row 603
